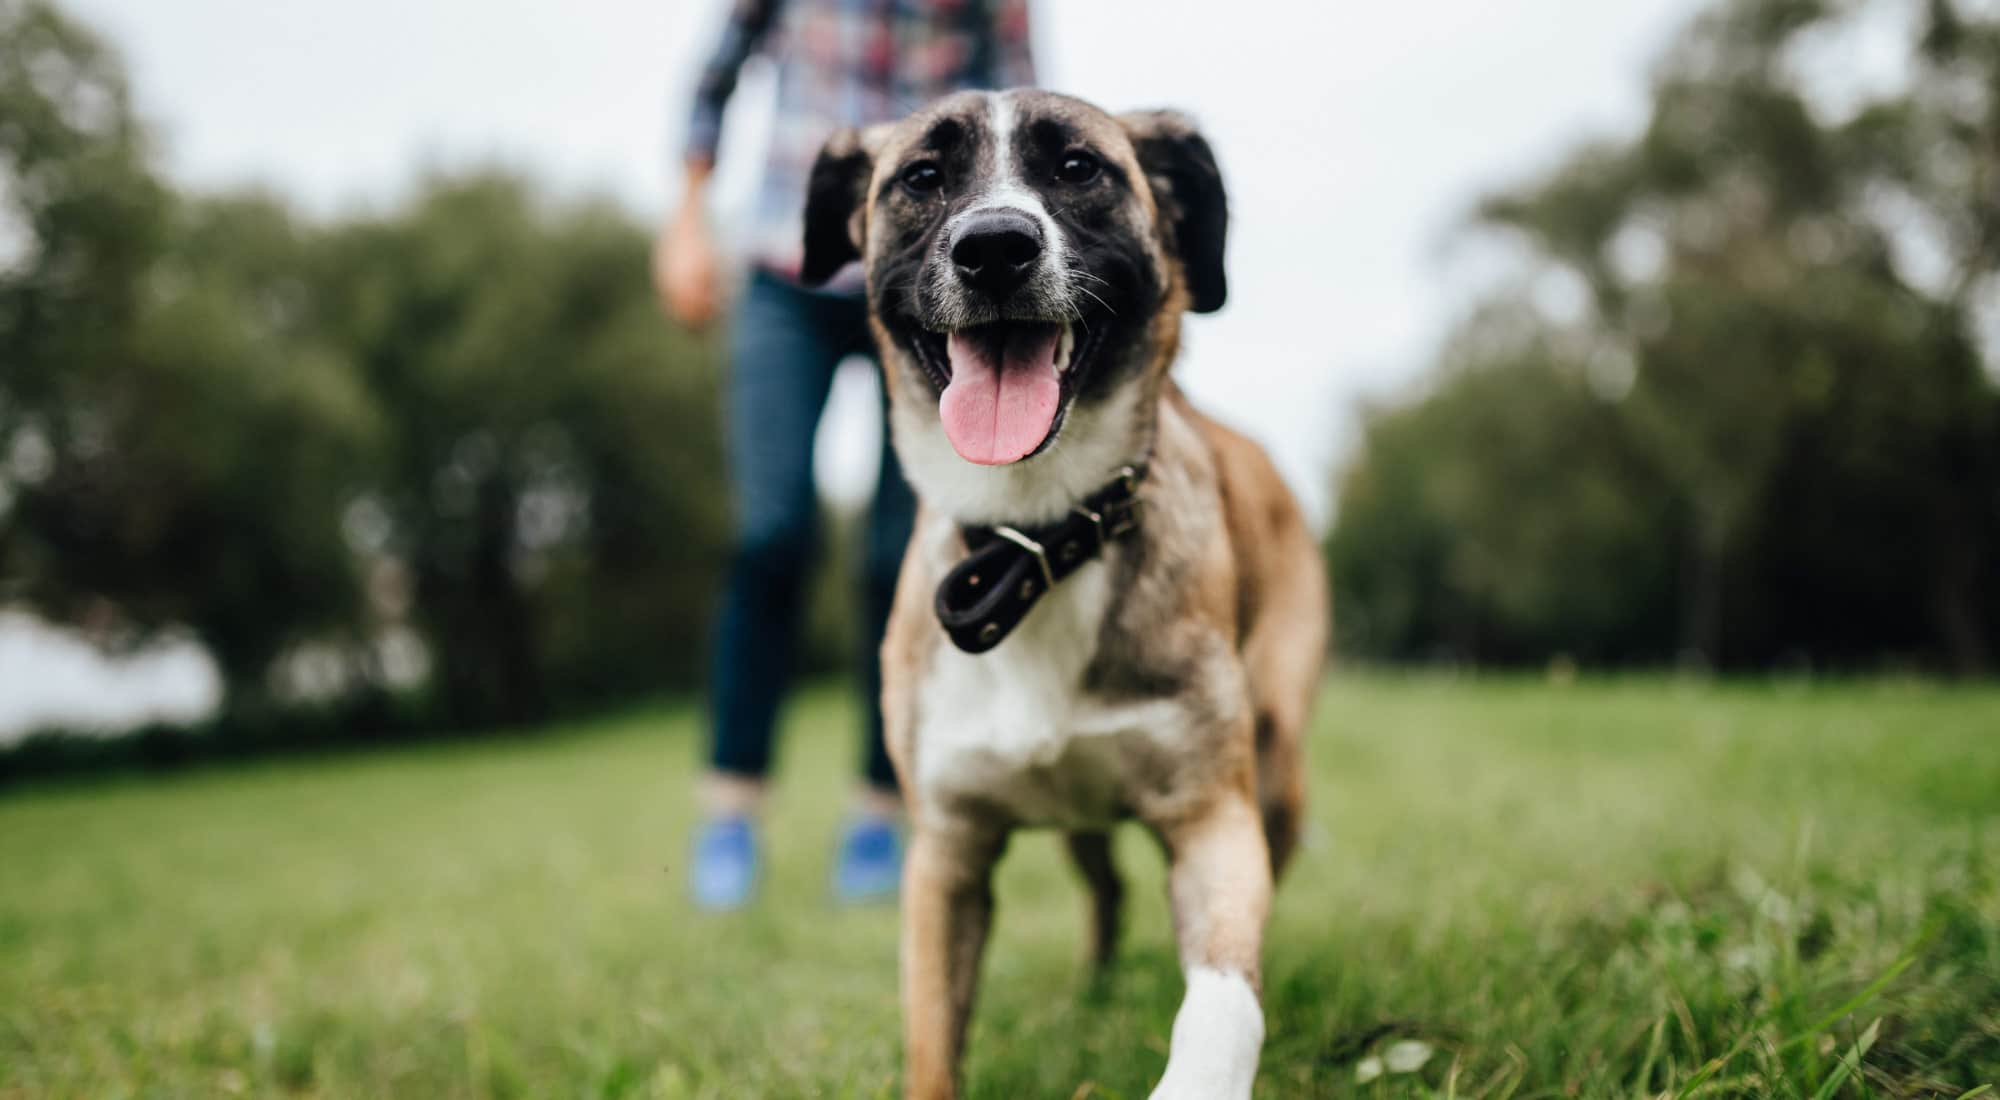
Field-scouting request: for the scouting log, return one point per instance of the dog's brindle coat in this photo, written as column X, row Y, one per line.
column 1167, row 681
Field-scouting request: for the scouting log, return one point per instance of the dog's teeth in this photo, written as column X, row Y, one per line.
column 1065, row 344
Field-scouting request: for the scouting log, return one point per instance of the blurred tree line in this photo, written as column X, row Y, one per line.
column 1759, row 426
column 443, row 465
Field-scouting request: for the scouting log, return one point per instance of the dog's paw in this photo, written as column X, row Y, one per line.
column 1204, row 1085
column 1217, row 1036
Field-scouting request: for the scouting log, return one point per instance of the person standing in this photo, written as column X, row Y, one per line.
column 839, row 63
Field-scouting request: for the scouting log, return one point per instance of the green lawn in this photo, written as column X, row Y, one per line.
column 1585, row 891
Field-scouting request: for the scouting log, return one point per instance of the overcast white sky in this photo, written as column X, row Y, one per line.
column 1353, row 137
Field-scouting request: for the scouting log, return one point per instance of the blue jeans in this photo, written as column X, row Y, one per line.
column 785, row 343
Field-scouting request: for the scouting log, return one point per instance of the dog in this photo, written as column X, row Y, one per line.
column 1110, row 607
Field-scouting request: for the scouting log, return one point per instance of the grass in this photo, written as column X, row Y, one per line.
column 1510, row 890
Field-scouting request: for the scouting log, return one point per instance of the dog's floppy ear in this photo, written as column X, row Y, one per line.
column 1187, row 186
column 836, row 206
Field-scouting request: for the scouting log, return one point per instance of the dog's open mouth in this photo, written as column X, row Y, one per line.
column 1004, row 386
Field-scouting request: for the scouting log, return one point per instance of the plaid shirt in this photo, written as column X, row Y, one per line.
column 849, row 63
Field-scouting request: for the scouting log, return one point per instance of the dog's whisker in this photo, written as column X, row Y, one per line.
column 1099, row 299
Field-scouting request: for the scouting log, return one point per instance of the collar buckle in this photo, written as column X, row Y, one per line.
column 1031, row 546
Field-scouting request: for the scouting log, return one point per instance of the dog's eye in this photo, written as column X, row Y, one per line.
column 922, row 178
column 1078, row 168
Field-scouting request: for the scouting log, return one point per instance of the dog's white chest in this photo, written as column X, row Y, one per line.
column 1014, row 727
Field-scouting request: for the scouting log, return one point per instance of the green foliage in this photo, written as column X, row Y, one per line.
column 1793, row 445
column 179, row 441
column 463, row 416
column 1522, row 535
column 1608, row 890
column 552, row 487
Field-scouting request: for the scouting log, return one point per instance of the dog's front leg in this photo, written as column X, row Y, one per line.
column 947, row 908
column 1220, row 883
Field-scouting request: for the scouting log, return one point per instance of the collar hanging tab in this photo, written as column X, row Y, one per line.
column 987, row 595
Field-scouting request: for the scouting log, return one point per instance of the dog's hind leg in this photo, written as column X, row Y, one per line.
column 1281, row 581
column 1280, row 788
column 1091, row 852
column 1285, row 656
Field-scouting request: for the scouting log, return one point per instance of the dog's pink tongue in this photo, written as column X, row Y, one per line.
column 1003, row 394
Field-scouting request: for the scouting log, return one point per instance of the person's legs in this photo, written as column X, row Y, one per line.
column 783, row 353
column 780, row 371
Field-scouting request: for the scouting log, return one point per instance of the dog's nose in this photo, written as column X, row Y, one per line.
column 996, row 250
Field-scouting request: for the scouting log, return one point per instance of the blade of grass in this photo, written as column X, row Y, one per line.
column 1867, row 994
column 1858, row 999
column 1849, row 1063
column 1645, row 1075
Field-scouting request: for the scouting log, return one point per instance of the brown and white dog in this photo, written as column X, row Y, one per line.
column 1110, row 607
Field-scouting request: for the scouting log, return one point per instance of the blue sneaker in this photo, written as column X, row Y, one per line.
column 871, row 861
column 725, row 863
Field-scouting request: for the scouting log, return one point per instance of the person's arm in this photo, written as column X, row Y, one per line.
column 1013, row 52
column 685, row 267
column 749, row 23
column 686, row 271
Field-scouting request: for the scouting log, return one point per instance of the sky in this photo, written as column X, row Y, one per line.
column 1353, row 139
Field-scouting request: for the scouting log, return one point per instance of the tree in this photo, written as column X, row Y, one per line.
column 551, row 484
column 1791, row 293
column 463, row 415
column 181, row 445
column 1503, row 517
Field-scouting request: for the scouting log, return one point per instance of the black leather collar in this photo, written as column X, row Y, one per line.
column 987, row 595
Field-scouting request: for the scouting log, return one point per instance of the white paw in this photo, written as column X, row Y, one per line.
column 1184, row 1087
column 1218, row 1034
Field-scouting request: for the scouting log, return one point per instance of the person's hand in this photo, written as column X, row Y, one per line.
column 685, row 268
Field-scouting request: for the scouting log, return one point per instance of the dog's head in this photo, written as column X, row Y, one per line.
column 1028, row 257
